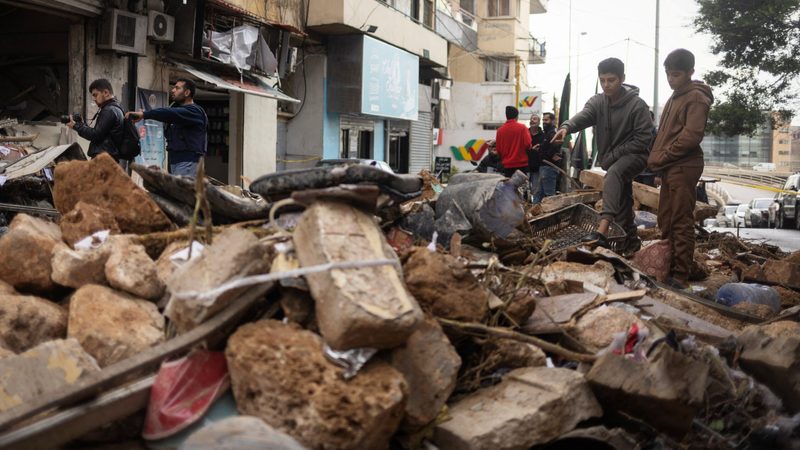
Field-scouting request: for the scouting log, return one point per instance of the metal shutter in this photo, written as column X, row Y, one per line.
column 352, row 122
column 420, row 143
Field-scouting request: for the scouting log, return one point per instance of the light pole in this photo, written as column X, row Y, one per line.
column 578, row 72
column 655, row 68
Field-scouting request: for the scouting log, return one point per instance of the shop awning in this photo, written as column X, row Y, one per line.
column 88, row 8
column 247, row 83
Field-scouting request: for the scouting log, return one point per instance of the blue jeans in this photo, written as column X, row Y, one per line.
column 547, row 183
column 187, row 169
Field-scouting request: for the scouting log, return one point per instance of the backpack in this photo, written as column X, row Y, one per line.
column 130, row 147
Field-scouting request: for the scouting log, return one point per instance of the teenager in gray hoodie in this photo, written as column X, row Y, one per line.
column 623, row 130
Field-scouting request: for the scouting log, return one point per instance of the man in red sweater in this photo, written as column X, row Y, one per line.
column 513, row 141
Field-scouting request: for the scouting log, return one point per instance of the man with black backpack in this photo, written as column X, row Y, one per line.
column 187, row 127
column 108, row 133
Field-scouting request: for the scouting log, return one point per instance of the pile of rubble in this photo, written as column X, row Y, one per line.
column 382, row 312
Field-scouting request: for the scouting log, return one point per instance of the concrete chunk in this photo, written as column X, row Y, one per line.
column 240, row 433
column 430, row 365
column 129, row 269
column 102, row 182
column 771, row 354
column 45, row 368
column 445, row 287
column 530, row 406
column 666, row 392
column 85, row 219
column 76, row 268
column 26, row 250
column 112, row 325
column 27, row 321
column 279, row 374
column 234, row 253
column 596, row 328
column 360, row 307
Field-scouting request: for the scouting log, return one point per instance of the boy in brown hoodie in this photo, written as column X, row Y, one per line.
column 676, row 155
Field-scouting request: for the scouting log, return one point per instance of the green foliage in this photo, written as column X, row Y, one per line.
column 759, row 46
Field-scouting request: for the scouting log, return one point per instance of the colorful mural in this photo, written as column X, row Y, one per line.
column 473, row 150
column 527, row 101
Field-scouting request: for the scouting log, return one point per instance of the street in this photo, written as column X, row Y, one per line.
column 787, row 240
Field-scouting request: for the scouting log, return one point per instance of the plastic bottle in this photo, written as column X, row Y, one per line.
column 733, row 293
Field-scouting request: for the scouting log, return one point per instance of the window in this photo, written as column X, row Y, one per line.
column 467, row 11
column 783, row 153
column 490, row 127
column 428, row 13
column 497, row 69
column 783, row 141
column 497, row 8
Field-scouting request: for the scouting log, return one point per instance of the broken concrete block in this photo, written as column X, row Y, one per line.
column 112, row 325
column 511, row 354
column 596, row 328
column 430, row 365
column 234, row 253
column 521, row 306
column 771, row 354
column 6, row 288
column 165, row 266
column 129, row 269
column 102, row 182
column 26, row 250
column 240, row 433
column 75, row 268
column 782, row 273
column 45, row 368
column 530, row 406
column 600, row 274
column 666, row 392
column 359, row 307
column 85, row 219
column 27, row 321
column 444, row 286
column 553, row 311
column 279, row 374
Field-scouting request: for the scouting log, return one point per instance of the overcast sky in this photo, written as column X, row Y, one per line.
column 620, row 28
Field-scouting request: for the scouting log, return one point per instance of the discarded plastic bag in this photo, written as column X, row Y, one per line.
column 731, row 294
column 183, row 391
column 489, row 203
column 645, row 219
column 654, row 259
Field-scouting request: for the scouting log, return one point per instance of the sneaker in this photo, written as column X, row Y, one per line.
column 632, row 245
column 595, row 239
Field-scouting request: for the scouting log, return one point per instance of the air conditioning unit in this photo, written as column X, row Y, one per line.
column 123, row 32
column 160, row 27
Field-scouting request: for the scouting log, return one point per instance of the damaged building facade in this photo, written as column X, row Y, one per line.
column 54, row 50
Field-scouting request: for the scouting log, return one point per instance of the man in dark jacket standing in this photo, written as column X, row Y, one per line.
column 534, row 157
column 678, row 158
column 106, row 136
column 623, row 129
column 513, row 141
column 187, row 127
column 548, row 153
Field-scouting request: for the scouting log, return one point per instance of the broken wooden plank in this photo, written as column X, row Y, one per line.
column 556, row 202
column 646, row 195
column 29, row 138
column 72, row 423
column 215, row 330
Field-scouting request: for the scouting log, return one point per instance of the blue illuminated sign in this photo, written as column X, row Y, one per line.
column 390, row 79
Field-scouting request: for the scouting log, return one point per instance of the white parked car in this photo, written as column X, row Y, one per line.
column 741, row 214
column 764, row 167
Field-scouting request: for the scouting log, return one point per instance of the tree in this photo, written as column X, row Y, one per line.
column 759, row 45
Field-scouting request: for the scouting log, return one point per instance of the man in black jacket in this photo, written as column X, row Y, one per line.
column 548, row 152
column 106, row 136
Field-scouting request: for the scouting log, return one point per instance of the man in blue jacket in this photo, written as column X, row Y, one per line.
column 186, row 131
